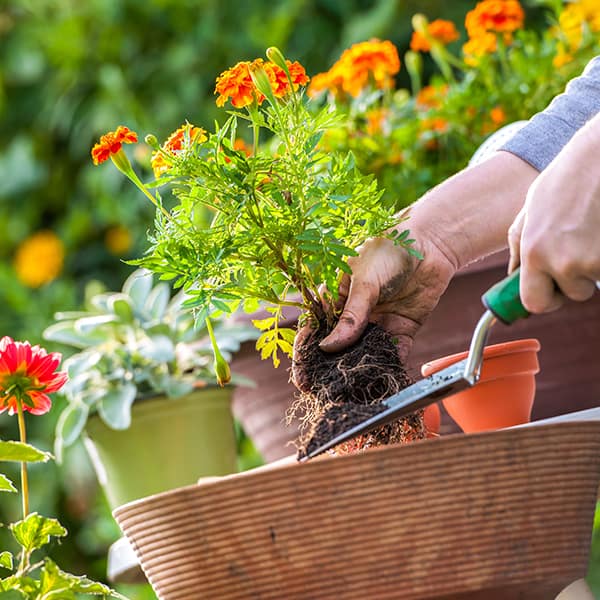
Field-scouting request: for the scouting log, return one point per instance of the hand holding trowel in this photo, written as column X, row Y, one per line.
column 503, row 303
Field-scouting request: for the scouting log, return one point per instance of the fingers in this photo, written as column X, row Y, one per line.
column 538, row 291
column 362, row 297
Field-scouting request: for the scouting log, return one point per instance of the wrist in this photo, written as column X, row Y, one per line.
column 467, row 216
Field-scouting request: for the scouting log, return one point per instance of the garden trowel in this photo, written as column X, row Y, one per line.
column 503, row 303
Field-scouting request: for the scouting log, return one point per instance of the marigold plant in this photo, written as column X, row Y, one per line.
column 283, row 218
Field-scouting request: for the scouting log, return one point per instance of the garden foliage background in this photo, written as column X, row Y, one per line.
column 72, row 70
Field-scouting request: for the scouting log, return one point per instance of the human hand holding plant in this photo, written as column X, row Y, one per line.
column 27, row 375
column 283, row 220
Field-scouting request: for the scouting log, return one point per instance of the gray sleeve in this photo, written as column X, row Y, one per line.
column 547, row 132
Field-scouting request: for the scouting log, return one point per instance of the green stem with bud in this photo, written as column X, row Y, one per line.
column 122, row 163
column 222, row 370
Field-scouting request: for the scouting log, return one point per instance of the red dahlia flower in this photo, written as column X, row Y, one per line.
column 27, row 375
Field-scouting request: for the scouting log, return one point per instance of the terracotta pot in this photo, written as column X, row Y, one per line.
column 501, row 514
column 570, row 345
column 504, row 395
column 432, row 418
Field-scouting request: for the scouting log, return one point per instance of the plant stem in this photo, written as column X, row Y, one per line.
column 136, row 180
column 24, row 480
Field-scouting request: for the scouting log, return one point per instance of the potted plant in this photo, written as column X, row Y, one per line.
column 141, row 390
column 285, row 217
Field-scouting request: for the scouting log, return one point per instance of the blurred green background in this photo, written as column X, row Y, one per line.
column 70, row 70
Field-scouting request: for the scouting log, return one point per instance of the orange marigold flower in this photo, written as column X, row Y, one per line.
column 330, row 80
column 440, row 30
column 27, row 376
column 376, row 120
column 178, row 141
column 436, row 124
column 365, row 62
column 236, row 84
column 479, row 46
column 497, row 115
column 279, row 80
column 111, row 142
column 39, row 259
column 431, row 96
column 499, row 16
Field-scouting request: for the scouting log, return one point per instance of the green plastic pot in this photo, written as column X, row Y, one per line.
column 171, row 443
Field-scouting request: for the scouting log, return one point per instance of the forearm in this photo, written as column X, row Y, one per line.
column 469, row 214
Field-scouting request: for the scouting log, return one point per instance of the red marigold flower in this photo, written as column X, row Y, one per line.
column 27, row 376
column 499, row 16
column 111, row 142
column 440, row 30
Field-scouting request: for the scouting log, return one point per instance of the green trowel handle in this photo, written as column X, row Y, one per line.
column 504, row 300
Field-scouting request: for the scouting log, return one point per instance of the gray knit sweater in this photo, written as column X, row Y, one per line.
column 546, row 133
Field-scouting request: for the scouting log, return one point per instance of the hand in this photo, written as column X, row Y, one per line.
column 555, row 236
column 392, row 288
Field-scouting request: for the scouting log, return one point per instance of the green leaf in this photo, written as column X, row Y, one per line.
column 138, row 286
column 6, row 485
column 115, row 406
column 35, row 531
column 158, row 348
column 6, row 560
column 71, row 422
column 81, row 363
column 122, row 306
column 158, row 300
column 54, row 583
column 65, row 333
column 20, row 452
column 10, row 594
column 88, row 325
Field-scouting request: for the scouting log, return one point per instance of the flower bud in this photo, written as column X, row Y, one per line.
column 151, row 140
column 222, row 370
column 420, row 23
column 275, row 56
column 262, row 82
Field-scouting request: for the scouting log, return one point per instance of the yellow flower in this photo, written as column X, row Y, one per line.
column 39, row 259
column 479, row 46
column 118, row 240
column 571, row 22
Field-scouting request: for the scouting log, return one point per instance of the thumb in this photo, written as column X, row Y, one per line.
column 362, row 297
column 515, row 232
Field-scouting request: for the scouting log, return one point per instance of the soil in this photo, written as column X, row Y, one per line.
column 340, row 390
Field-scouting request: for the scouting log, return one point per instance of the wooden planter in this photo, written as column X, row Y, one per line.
column 496, row 515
